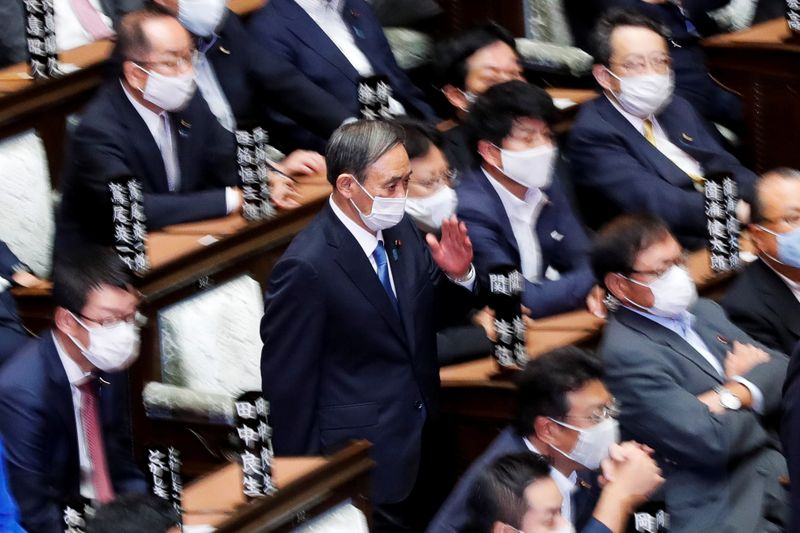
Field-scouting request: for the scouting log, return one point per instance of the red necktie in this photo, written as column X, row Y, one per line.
column 90, row 417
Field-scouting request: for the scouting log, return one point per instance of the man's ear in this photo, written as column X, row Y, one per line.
column 65, row 322
column 600, row 73
column 616, row 285
column 455, row 97
column 543, row 427
column 134, row 75
column 757, row 235
column 345, row 183
column 490, row 153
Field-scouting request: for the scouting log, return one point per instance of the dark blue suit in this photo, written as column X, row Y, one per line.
column 12, row 333
column 113, row 140
column 454, row 513
column 617, row 170
column 340, row 364
column 285, row 28
column 562, row 240
column 37, row 422
column 256, row 80
column 790, row 433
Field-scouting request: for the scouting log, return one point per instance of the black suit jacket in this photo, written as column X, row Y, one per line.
column 12, row 333
column 790, row 432
column 112, row 140
column 339, row 363
column 761, row 304
column 256, row 80
column 37, row 422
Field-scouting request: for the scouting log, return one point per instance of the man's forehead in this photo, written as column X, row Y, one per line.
column 661, row 250
column 165, row 34
column 779, row 194
column 489, row 54
column 626, row 40
column 591, row 394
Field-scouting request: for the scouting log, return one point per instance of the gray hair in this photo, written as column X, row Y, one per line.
column 756, row 206
column 355, row 146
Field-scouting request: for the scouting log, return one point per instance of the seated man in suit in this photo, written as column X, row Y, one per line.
column 12, row 272
column 467, row 65
column 691, row 385
column 431, row 200
column 564, row 413
column 64, row 399
column 334, row 44
column 350, row 320
column 150, row 124
column 242, row 82
column 76, row 24
column 514, row 205
column 764, row 300
column 638, row 147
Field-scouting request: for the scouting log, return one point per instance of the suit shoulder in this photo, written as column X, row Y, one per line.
column 743, row 294
column 24, row 373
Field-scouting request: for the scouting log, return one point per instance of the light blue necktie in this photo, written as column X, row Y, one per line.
column 383, row 272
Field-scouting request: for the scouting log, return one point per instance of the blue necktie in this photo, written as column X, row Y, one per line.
column 383, row 272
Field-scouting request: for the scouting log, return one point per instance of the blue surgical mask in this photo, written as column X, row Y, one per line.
column 788, row 247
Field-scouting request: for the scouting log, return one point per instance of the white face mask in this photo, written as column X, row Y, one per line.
column 201, row 17
column 111, row 348
column 170, row 93
column 593, row 443
column 674, row 292
column 430, row 211
column 532, row 168
column 386, row 212
column 646, row 94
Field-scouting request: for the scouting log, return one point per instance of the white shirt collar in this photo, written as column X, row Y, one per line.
column 365, row 239
column 793, row 286
column 151, row 119
column 675, row 324
column 75, row 375
column 319, row 6
column 513, row 205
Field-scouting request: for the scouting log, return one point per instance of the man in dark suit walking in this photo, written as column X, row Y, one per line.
column 64, row 399
column 764, row 300
column 150, row 124
column 638, row 147
column 334, row 44
column 691, row 385
column 350, row 321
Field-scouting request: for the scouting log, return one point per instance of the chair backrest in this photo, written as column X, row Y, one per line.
column 26, row 201
column 211, row 342
column 545, row 21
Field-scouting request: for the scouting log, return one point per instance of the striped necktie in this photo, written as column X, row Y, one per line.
column 93, row 431
column 382, row 262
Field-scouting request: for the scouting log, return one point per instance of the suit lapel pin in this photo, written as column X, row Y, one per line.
column 687, row 138
column 584, row 484
column 184, row 128
column 396, row 249
column 556, row 236
column 224, row 50
column 722, row 339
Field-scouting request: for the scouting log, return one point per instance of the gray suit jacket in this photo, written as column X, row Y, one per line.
column 722, row 470
column 13, row 48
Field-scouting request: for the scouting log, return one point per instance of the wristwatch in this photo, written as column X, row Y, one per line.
column 727, row 399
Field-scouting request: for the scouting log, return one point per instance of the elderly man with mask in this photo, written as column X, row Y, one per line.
column 691, row 385
column 64, row 401
column 640, row 148
column 151, row 124
column 565, row 414
column 514, row 205
column 764, row 300
column 242, row 82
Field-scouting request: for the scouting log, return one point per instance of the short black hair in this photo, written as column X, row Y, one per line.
column 499, row 493
column 613, row 19
column 618, row 243
column 134, row 513
column 452, row 55
column 81, row 270
column 420, row 136
column 756, row 207
column 355, row 146
column 543, row 384
column 492, row 116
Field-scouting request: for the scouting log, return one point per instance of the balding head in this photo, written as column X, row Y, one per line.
column 775, row 211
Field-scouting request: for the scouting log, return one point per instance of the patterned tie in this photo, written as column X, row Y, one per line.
column 90, row 418
column 382, row 263
column 90, row 20
column 647, row 126
column 168, row 152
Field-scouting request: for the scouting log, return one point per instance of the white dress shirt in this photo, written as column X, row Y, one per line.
column 328, row 16
column 161, row 131
column 683, row 327
column 681, row 159
column 77, row 377
column 369, row 242
column 792, row 285
column 566, row 484
column 211, row 90
column 69, row 31
column 523, row 215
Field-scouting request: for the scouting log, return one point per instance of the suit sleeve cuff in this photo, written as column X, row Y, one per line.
column 757, row 403
column 231, row 200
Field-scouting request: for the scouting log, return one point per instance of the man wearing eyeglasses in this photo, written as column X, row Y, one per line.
column 566, row 414
column 638, row 147
column 64, row 412
column 691, row 385
column 150, row 124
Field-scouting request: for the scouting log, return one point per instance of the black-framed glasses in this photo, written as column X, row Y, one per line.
column 136, row 318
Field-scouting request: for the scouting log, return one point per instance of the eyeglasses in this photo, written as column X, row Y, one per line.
column 637, row 64
column 178, row 63
column 434, row 183
column 135, row 318
column 661, row 272
column 609, row 410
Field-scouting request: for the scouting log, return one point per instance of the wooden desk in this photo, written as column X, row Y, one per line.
column 307, row 487
column 760, row 64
